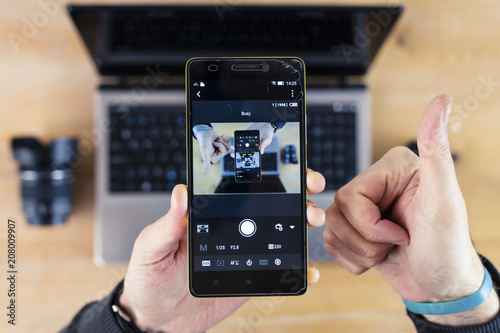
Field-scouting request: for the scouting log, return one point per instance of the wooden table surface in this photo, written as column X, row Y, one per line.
column 46, row 86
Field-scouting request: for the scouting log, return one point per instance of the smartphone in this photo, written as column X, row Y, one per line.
column 247, row 156
column 247, row 229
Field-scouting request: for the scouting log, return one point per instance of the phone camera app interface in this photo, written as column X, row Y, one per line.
column 247, row 203
column 247, row 156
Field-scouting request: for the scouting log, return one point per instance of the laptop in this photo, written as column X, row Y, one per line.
column 141, row 51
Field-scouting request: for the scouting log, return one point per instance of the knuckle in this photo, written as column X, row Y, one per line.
column 333, row 252
column 330, row 238
column 379, row 255
column 369, row 253
column 369, row 234
column 435, row 147
column 349, row 265
column 330, row 250
column 143, row 234
column 370, row 262
column 342, row 196
column 401, row 152
column 357, row 270
column 444, row 149
column 331, row 216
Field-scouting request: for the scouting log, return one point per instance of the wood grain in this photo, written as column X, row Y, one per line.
column 46, row 87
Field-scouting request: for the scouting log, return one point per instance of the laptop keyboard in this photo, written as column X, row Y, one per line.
column 331, row 142
column 147, row 146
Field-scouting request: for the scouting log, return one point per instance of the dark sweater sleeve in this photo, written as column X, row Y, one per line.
column 493, row 326
column 96, row 317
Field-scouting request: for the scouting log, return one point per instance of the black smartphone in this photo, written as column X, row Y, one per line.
column 247, row 156
column 247, row 227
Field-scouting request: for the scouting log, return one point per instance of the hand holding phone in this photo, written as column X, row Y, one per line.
column 159, row 260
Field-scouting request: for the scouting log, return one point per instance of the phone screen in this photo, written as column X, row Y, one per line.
column 247, row 156
column 246, row 216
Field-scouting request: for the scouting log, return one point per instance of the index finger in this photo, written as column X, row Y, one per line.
column 370, row 195
column 225, row 141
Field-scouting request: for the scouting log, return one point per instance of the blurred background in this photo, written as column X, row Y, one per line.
column 47, row 81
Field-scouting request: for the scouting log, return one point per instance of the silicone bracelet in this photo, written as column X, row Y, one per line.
column 461, row 305
column 199, row 129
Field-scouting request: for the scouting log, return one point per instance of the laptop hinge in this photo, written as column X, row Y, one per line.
column 122, row 80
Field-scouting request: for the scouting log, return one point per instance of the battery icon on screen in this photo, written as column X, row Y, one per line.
column 281, row 83
column 293, row 104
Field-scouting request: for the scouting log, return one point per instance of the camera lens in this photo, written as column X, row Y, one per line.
column 46, row 178
column 47, row 195
column 265, row 67
column 213, row 68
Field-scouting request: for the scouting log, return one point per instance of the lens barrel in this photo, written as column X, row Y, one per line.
column 47, row 178
column 47, row 195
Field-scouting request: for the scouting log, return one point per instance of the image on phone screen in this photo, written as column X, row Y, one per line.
column 247, row 227
column 247, row 156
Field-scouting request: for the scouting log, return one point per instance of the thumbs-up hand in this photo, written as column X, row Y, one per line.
column 406, row 216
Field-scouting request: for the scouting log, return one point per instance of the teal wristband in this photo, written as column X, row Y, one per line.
column 461, row 305
column 199, row 129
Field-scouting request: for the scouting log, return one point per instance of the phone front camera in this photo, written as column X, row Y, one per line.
column 213, row 68
column 265, row 67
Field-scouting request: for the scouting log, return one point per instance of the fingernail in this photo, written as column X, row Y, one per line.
column 403, row 242
column 313, row 277
column 447, row 111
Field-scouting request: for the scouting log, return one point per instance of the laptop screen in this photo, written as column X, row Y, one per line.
column 332, row 40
